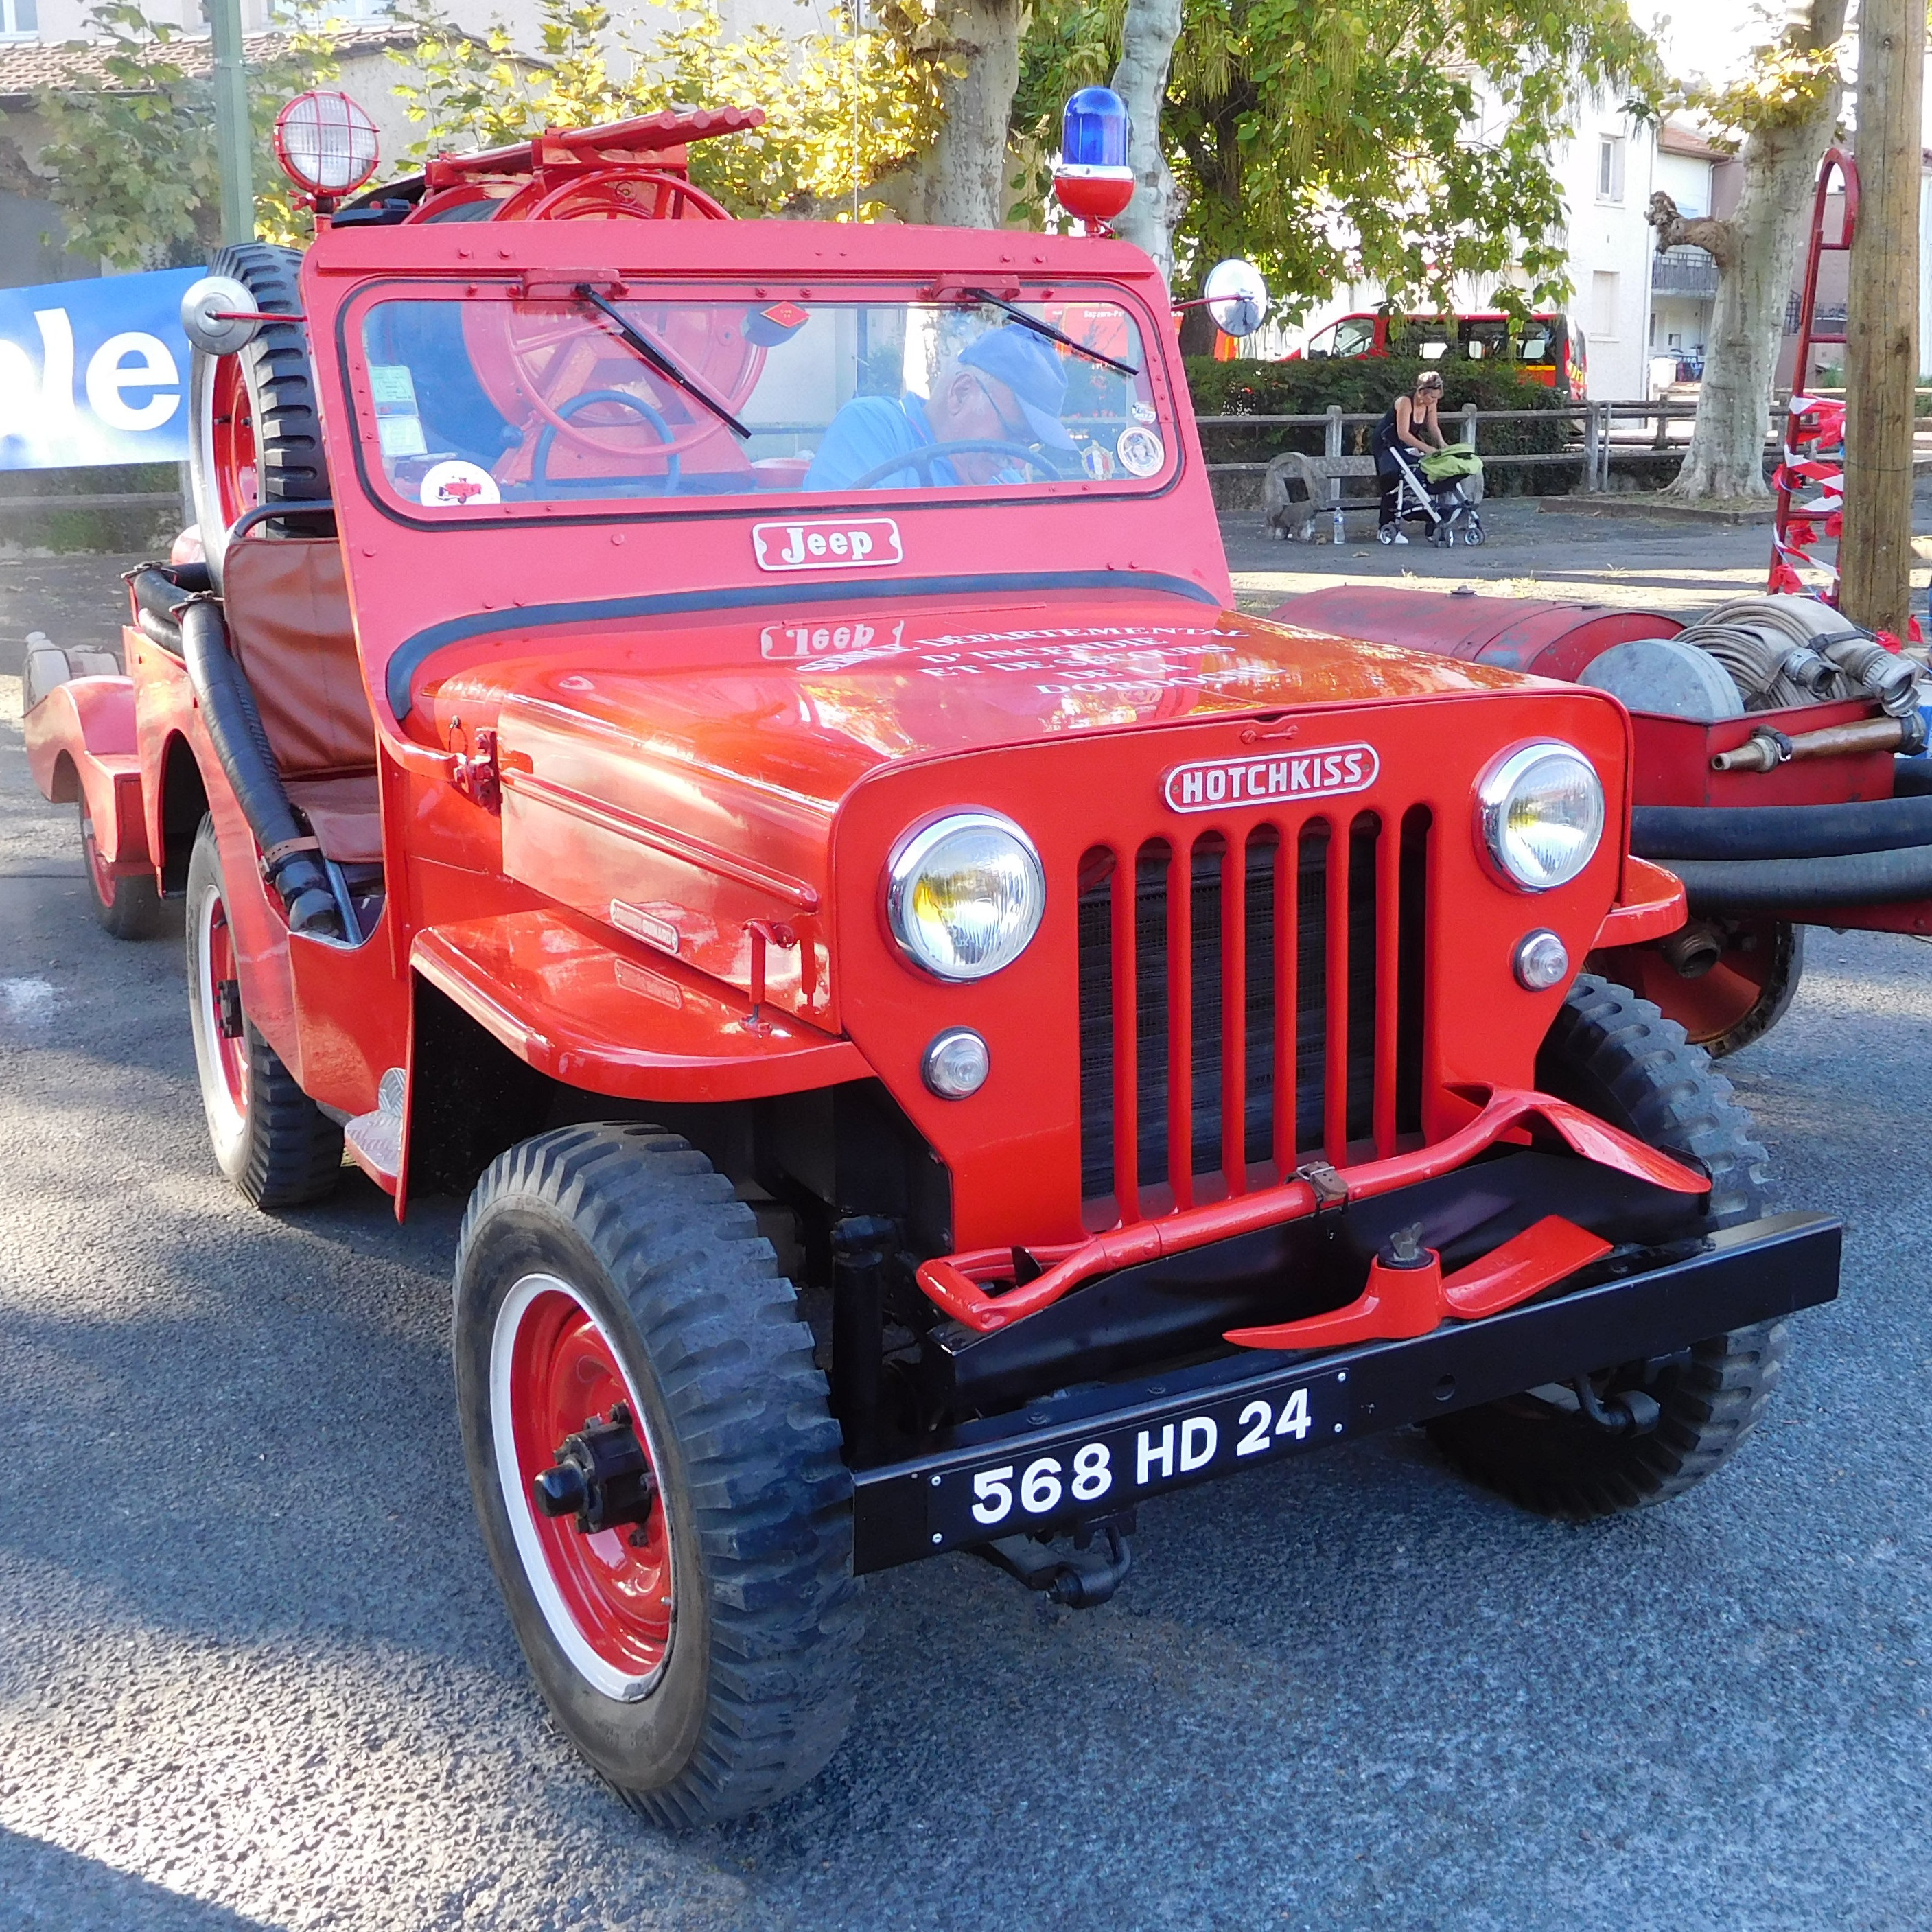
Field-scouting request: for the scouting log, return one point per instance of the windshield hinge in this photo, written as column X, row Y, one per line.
column 476, row 773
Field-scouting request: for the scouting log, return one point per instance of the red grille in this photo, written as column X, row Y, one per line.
column 1248, row 1001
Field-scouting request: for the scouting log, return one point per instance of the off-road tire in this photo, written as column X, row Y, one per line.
column 1616, row 1055
column 275, row 1144
column 281, row 380
column 130, row 906
column 756, row 1689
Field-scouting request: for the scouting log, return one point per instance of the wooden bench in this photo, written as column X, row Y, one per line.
column 1321, row 479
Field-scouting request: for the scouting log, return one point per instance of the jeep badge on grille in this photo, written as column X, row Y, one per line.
column 1205, row 784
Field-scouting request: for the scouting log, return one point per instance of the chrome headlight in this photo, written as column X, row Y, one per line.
column 1542, row 812
column 965, row 895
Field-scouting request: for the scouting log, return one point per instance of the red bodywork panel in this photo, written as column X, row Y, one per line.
column 81, row 748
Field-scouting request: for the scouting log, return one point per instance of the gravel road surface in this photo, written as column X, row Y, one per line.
column 254, row 1672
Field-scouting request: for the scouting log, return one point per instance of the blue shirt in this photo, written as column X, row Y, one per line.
column 870, row 431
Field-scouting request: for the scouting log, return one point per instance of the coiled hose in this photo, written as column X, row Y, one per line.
column 1785, row 651
column 289, row 859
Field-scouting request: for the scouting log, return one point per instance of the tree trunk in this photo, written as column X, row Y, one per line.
column 1881, row 346
column 1147, row 35
column 961, row 180
column 1780, row 166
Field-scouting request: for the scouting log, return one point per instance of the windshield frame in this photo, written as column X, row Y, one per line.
column 910, row 286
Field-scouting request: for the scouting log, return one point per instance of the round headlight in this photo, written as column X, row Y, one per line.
column 1542, row 810
column 965, row 895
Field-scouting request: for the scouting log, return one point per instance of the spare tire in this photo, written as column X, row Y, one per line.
column 254, row 435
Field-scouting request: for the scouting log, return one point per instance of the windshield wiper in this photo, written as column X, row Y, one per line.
column 1047, row 329
column 660, row 361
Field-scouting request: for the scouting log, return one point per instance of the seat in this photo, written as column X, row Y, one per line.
column 290, row 629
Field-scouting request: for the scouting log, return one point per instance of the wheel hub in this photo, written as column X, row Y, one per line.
column 602, row 1477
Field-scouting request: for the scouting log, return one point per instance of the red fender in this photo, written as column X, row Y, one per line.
column 80, row 748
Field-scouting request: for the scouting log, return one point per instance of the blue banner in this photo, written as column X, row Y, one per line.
column 95, row 372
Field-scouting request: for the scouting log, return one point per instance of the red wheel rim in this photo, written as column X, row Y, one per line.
column 217, row 966
column 608, row 1596
column 237, row 462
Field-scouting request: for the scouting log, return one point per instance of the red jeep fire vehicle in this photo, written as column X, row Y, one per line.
column 730, row 741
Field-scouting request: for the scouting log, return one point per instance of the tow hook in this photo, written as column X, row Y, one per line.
column 1629, row 1412
column 1079, row 1578
column 601, row 1476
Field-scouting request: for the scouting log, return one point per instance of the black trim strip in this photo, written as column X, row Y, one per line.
column 409, row 656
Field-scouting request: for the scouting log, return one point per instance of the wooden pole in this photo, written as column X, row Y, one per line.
column 1882, row 348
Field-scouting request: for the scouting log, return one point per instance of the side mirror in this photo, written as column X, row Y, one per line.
column 1236, row 296
column 218, row 315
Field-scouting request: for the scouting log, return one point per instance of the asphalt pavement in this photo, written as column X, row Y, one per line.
column 253, row 1671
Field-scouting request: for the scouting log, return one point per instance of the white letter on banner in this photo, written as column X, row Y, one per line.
column 56, row 370
column 155, row 370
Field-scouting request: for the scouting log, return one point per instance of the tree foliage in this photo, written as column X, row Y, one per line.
column 844, row 111
column 1404, row 142
column 133, row 166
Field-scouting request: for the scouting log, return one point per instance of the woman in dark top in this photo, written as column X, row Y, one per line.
column 1412, row 423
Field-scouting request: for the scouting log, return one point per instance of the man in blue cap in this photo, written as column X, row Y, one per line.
column 1005, row 386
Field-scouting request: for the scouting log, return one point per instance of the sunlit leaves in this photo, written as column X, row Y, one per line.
column 1405, row 142
column 842, row 110
column 134, row 168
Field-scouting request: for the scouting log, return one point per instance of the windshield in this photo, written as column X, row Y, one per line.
column 473, row 404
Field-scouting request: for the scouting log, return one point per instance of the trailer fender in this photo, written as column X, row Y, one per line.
column 80, row 748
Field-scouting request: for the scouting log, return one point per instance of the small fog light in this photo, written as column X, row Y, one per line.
column 1540, row 961
column 957, row 1063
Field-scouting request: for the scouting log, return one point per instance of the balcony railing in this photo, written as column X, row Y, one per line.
column 1683, row 271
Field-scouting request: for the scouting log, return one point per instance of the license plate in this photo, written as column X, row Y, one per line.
column 1059, row 1475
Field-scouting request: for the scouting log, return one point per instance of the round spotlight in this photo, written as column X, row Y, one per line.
column 957, row 1063
column 1540, row 961
column 325, row 143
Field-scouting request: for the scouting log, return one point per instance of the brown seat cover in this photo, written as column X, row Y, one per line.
column 290, row 627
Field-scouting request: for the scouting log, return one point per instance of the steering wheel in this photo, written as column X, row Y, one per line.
column 928, row 453
column 540, row 476
column 525, row 352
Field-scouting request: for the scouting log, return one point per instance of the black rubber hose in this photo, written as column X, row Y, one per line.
column 156, row 592
column 1911, row 778
column 159, row 631
column 1800, row 886
column 1669, row 832
column 235, row 729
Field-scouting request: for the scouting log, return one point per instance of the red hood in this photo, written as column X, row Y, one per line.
column 808, row 704
column 695, row 769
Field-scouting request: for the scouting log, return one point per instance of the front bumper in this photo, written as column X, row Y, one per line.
column 1085, row 1454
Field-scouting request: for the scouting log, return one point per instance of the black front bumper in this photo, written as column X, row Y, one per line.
column 1087, row 1453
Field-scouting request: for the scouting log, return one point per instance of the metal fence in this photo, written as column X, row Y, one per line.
column 1594, row 435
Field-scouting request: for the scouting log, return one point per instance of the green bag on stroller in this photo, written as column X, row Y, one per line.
column 1450, row 465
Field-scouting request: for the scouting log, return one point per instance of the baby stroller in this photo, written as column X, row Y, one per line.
column 1443, row 488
